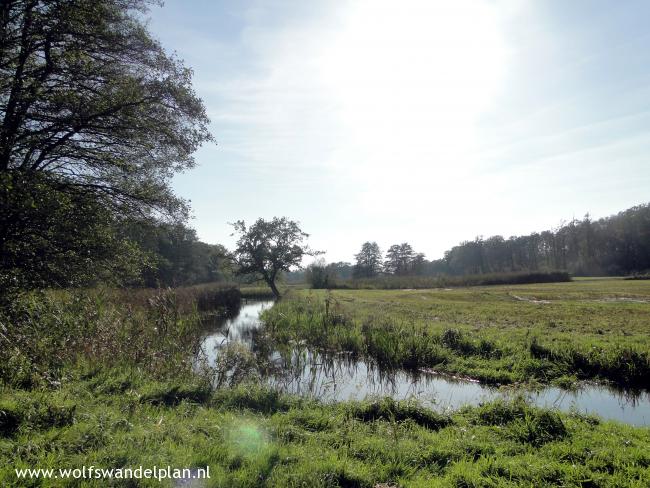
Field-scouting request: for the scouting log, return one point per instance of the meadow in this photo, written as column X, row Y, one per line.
column 106, row 378
column 589, row 329
column 252, row 437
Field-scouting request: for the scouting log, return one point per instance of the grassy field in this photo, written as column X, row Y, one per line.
column 395, row 282
column 106, row 380
column 587, row 329
column 253, row 437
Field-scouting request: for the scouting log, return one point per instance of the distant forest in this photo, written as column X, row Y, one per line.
column 615, row 245
column 172, row 255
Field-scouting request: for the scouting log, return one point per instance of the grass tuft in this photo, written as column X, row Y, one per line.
column 390, row 410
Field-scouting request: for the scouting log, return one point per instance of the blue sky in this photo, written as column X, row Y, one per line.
column 423, row 121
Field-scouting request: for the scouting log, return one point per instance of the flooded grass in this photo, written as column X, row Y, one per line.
column 111, row 385
column 558, row 331
column 238, row 349
column 253, row 436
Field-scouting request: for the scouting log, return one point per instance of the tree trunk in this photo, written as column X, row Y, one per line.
column 274, row 288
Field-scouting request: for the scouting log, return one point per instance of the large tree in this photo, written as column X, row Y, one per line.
column 92, row 108
column 368, row 261
column 399, row 259
column 269, row 247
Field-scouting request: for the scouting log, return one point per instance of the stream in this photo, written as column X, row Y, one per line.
column 340, row 377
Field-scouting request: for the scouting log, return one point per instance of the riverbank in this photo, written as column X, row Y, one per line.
column 250, row 436
column 238, row 347
column 545, row 333
column 89, row 381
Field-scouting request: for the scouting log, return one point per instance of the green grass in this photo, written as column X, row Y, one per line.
column 253, row 437
column 588, row 329
column 97, row 379
column 256, row 292
column 393, row 282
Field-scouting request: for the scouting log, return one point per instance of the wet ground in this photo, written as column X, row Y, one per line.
column 340, row 377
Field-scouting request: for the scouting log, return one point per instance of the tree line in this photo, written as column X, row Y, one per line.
column 96, row 117
column 614, row 245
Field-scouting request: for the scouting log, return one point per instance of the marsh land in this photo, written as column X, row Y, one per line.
column 98, row 403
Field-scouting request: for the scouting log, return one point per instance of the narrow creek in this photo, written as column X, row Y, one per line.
column 339, row 378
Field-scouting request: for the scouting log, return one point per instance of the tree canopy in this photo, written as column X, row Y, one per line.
column 399, row 259
column 175, row 256
column 93, row 109
column 368, row 261
column 269, row 247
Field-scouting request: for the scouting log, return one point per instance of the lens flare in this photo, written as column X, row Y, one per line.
column 247, row 438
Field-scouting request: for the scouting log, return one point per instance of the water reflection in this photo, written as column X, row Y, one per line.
column 339, row 377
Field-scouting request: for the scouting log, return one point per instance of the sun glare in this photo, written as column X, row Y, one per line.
column 411, row 78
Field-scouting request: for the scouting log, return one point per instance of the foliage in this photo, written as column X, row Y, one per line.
column 320, row 276
column 50, row 235
column 95, row 114
column 401, row 259
column 269, row 247
column 368, row 261
column 175, row 255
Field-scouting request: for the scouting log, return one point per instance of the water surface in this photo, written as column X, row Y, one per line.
column 340, row 377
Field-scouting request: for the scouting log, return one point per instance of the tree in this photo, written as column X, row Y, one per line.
column 91, row 105
column 399, row 259
column 418, row 264
column 269, row 247
column 340, row 270
column 319, row 275
column 69, row 239
column 368, row 261
column 175, row 255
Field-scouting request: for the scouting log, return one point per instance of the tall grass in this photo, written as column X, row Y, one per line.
column 256, row 293
column 328, row 324
column 624, row 366
column 223, row 297
column 157, row 330
column 324, row 326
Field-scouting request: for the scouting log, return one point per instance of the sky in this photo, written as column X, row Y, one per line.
column 422, row 121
